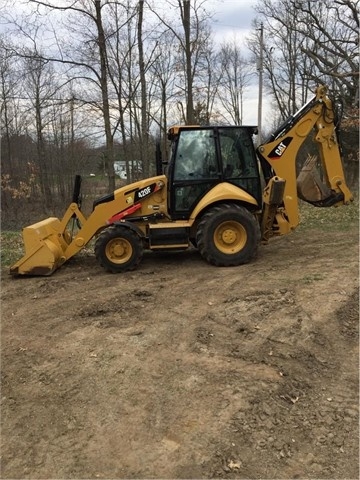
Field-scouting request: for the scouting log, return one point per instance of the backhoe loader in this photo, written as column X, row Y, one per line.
column 218, row 193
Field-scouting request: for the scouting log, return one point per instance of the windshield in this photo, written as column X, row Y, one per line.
column 195, row 155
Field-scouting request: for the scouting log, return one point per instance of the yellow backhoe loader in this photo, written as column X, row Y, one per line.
column 219, row 194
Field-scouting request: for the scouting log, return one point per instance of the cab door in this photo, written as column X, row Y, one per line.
column 194, row 170
column 238, row 158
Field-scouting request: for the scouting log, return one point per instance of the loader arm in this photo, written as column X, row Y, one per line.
column 278, row 159
column 51, row 242
column 123, row 203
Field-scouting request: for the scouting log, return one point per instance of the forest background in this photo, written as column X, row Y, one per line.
column 91, row 86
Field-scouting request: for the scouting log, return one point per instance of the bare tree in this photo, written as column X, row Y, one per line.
column 185, row 19
column 235, row 78
column 308, row 42
column 8, row 90
column 282, row 57
column 331, row 29
column 86, row 17
column 192, row 39
column 206, row 83
column 144, row 130
column 121, row 52
column 163, row 73
column 40, row 88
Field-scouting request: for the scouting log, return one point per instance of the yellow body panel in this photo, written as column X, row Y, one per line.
column 223, row 192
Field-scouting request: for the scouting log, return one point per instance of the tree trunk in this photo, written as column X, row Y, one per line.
column 43, row 167
column 143, row 133
column 190, row 118
column 109, row 153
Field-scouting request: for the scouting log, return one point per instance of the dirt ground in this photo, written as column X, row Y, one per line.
column 184, row 370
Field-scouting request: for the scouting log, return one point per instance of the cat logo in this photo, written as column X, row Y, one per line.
column 280, row 148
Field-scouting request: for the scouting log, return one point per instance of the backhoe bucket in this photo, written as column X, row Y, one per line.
column 309, row 185
column 44, row 248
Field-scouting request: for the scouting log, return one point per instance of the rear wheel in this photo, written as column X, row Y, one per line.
column 228, row 235
column 118, row 249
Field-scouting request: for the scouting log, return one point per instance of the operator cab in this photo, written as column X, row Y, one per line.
column 203, row 157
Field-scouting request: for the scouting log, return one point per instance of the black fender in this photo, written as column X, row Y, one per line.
column 131, row 226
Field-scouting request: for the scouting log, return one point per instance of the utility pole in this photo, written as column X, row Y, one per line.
column 260, row 70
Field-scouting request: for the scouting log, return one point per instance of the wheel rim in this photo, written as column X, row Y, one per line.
column 230, row 237
column 119, row 250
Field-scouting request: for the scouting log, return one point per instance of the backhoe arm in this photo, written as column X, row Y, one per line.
column 278, row 158
column 330, row 157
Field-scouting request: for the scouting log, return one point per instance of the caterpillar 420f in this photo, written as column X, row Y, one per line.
column 219, row 194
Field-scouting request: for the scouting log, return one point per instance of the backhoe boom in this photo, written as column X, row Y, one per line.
column 278, row 157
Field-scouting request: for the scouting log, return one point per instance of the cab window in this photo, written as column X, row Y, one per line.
column 237, row 153
column 195, row 156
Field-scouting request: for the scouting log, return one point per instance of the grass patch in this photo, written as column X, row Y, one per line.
column 12, row 248
column 343, row 218
column 315, row 277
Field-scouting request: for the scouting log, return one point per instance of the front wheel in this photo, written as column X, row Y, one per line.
column 118, row 249
column 228, row 235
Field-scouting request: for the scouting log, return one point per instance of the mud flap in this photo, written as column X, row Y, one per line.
column 44, row 248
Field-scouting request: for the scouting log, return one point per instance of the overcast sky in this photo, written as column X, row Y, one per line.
column 231, row 17
column 232, row 20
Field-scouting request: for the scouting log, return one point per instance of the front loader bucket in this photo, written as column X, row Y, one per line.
column 44, row 248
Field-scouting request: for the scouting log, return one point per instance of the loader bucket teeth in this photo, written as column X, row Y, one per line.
column 44, row 244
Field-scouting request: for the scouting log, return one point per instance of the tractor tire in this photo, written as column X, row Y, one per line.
column 118, row 249
column 228, row 235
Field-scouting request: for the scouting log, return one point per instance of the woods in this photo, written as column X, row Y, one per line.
column 90, row 84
